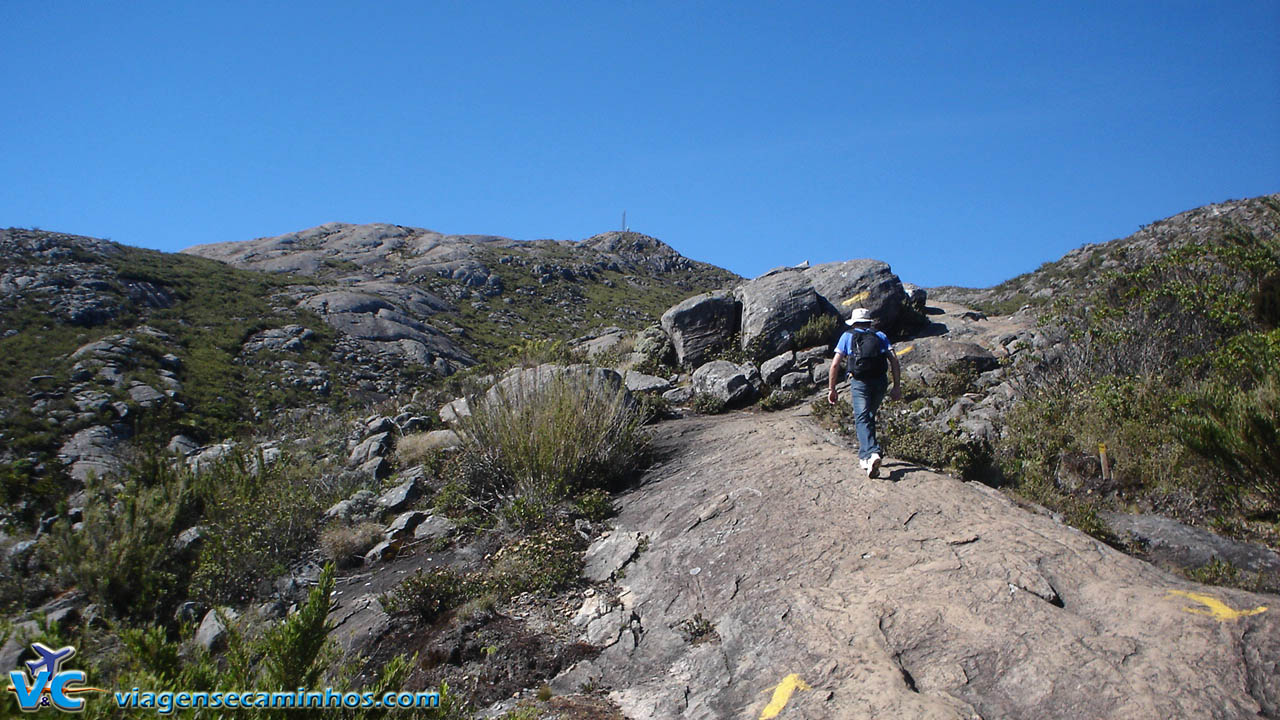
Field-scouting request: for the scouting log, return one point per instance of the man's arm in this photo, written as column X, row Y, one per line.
column 833, row 377
column 896, row 392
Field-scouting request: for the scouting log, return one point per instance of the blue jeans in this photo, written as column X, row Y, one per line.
column 866, row 396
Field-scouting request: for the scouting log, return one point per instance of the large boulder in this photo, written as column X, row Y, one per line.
column 638, row 382
column 774, row 307
column 773, row 369
column 924, row 358
column 780, row 302
column 701, row 326
column 373, row 446
column 860, row 283
column 392, row 326
column 653, row 345
column 601, row 342
column 530, row 382
column 724, row 381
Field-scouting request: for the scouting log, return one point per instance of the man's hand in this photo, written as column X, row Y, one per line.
column 896, row 392
column 832, row 397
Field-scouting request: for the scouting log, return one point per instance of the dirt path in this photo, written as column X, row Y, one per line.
column 911, row 596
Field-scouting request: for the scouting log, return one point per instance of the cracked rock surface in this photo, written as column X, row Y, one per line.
column 914, row 595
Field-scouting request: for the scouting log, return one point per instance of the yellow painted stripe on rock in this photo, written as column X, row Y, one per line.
column 903, row 351
column 782, row 694
column 857, row 298
column 1214, row 607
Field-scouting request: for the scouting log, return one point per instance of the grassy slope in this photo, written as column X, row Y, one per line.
column 216, row 309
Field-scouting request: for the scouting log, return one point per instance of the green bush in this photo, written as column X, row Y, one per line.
column 1129, row 415
column 296, row 652
column 819, row 330
column 781, row 399
column 707, row 404
column 903, row 437
column 258, row 516
column 949, row 384
column 123, row 554
column 545, row 561
column 652, row 407
column 428, row 595
column 595, row 505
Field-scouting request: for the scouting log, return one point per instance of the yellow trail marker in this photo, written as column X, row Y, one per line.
column 1214, row 607
column 857, row 298
column 782, row 694
column 903, row 351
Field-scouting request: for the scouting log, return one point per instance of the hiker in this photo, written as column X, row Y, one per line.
column 869, row 358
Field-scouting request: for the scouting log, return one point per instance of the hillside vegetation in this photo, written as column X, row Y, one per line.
column 1170, row 359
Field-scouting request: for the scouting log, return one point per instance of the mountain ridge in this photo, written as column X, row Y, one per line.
column 330, row 391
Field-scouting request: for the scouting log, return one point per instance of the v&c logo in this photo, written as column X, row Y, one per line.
column 44, row 683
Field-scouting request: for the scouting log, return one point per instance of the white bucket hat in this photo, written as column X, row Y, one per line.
column 859, row 316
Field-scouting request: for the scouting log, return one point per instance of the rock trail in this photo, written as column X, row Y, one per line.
column 913, row 595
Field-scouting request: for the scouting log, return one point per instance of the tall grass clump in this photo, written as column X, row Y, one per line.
column 550, row 433
column 1240, row 433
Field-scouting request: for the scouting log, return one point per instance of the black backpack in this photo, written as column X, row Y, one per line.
column 867, row 360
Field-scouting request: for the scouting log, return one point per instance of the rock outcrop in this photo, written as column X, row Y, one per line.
column 701, row 326
column 774, row 307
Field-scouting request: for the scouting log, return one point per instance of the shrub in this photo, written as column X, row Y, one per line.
column 707, row 404
column 296, row 652
column 552, row 438
column 527, row 510
column 950, row 383
column 122, row 555
column 258, row 517
column 903, row 437
column 1129, row 415
column 428, row 595
column 819, row 330
column 545, row 561
column 652, row 407
column 838, row 417
column 781, row 399
column 595, row 505
column 698, row 629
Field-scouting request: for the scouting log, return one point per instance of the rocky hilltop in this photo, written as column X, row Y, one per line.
column 445, row 300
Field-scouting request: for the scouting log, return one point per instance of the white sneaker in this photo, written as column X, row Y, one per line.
column 873, row 466
column 862, row 464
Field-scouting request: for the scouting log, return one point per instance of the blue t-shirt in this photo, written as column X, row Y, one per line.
column 845, row 346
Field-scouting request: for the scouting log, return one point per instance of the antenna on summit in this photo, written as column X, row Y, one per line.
column 624, row 221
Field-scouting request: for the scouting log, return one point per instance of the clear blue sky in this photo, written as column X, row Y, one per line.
column 961, row 142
